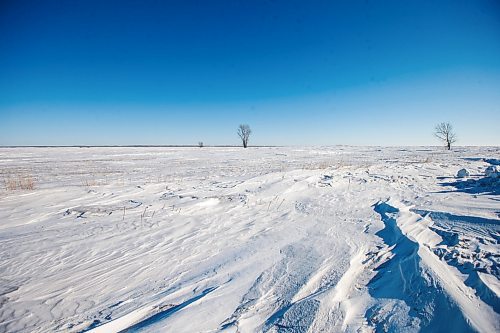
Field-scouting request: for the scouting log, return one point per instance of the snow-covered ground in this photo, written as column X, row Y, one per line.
column 323, row 239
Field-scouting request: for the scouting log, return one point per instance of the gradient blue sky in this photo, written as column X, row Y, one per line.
column 299, row 72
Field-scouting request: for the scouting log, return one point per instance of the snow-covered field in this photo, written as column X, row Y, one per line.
column 323, row 239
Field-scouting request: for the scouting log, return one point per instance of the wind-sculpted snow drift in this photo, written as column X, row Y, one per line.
column 327, row 239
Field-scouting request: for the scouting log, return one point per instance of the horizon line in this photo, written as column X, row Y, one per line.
column 228, row 146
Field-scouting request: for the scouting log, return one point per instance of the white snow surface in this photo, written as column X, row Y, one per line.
column 268, row 239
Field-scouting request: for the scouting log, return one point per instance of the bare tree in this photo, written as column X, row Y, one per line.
column 200, row 144
column 244, row 132
column 445, row 133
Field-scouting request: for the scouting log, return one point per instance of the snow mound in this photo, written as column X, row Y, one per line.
column 492, row 172
column 462, row 173
column 493, row 161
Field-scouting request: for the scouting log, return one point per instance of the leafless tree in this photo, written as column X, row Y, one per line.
column 244, row 132
column 445, row 133
column 200, row 144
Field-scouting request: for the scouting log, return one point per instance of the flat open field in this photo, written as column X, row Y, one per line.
column 279, row 239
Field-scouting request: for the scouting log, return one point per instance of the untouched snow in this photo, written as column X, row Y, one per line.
column 322, row 239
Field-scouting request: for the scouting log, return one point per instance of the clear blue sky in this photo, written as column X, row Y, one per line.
column 299, row 72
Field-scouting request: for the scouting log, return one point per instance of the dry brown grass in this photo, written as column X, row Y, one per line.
column 317, row 165
column 89, row 182
column 20, row 182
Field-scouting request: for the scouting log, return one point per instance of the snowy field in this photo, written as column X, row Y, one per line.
column 325, row 239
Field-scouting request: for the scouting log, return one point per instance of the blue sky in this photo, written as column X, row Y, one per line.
column 299, row 72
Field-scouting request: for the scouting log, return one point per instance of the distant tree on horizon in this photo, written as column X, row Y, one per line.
column 200, row 144
column 445, row 133
column 244, row 132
